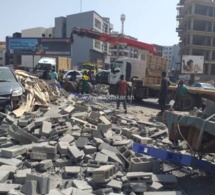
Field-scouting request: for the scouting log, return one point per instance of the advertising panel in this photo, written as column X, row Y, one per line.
column 192, row 64
column 39, row 46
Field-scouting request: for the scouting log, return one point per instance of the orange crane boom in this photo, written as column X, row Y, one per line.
column 113, row 39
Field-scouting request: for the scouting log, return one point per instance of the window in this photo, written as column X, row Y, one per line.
column 97, row 44
column 105, row 28
column 98, row 24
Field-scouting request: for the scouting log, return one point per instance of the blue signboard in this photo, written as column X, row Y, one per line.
column 39, row 46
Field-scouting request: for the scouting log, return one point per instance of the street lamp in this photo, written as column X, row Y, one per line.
column 122, row 18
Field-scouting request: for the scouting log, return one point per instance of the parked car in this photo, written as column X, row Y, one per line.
column 68, row 74
column 203, row 85
column 11, row 90
column 102, row 77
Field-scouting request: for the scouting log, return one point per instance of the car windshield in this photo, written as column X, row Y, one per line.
column 117, row 64
column 88, row 67
column 6, row 75
column 207, row 85
column 42, row 66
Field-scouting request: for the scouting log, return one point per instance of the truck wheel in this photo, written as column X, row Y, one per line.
column 70, row 86
column 189, row 102
column 89, row 88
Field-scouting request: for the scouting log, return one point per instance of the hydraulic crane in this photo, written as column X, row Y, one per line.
column 112, row 39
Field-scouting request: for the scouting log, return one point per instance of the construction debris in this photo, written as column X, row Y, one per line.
column 78, row 147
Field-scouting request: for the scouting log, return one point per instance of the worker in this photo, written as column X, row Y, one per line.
column 46, row 74
column 53, row 75
column 60, row 76
column 85, row 80
column 180, row 92
column 121, row 92
column 163, row 92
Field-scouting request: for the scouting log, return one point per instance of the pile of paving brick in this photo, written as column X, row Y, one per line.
column 76, row 148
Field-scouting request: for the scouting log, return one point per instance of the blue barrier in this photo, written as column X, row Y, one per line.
column 181, row 159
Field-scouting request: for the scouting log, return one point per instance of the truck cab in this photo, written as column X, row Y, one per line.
column 44, row 64
column 89, row 66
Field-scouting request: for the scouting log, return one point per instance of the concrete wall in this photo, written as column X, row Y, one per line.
column 60, row 27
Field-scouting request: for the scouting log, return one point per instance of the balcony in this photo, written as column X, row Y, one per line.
column 179, row 30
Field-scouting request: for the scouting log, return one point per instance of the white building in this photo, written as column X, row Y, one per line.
column 85, row 49
column 172, row 54
column 27, row 60
column 2, row 53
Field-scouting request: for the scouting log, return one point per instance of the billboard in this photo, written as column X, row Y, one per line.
column 39, row 46
column 192, row 64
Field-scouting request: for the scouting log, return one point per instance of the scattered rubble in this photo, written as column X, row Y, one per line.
column 76, row 147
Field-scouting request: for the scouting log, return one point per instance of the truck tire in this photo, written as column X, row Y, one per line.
column 189, row 102
column 89, row 88
column 70, row 86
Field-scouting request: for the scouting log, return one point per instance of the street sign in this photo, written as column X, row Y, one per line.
column 39, row 46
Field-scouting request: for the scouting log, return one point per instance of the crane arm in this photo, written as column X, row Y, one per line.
column 113, row 39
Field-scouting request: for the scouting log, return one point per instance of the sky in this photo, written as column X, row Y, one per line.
column 150, row 21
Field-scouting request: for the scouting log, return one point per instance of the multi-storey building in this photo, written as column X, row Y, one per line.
column 85, row 49
column 159, row 49
column 2, row 53
column 29, row 60
column 197, row 31
column 122, row 50
column 173, row 56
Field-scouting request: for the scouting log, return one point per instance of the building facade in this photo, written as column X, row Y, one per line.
column 29, row 60
column 172, row 53
column 159, row 49
column 197, row 31
column 122, row 50
column 2, row 53
column 85, row 49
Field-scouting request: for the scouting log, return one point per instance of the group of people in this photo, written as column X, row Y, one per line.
column 180, row 92
column 50, row 75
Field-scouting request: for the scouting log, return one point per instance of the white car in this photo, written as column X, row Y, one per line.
column 67, row 75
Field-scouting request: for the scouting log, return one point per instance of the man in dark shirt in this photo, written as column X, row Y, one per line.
column 163, row 92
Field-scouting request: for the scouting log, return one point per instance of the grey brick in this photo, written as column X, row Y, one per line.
column 4, row 175
column 45, row 164
column 11, row 169
column 75, row 152
column 46, row 128
column 112, row 156
column 71, row 170
column 10, row 161
column 5, row 188
column 62, row 147
column 164, row 193
column 88, row 149
column 101, row 157
column 42, row 182
column 108, row 147
column 62, row 162
column 17, row 137
column 13, row 151
column 67, row 138
column 20, row 176
column 30, row 188
column 115, row 184
column 81, row 142
column 81, row 185
column 42, row 156
column 45, row 149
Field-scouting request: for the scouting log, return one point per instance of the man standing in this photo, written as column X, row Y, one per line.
column 121, row 91
column 163, row 92
column 53, row 75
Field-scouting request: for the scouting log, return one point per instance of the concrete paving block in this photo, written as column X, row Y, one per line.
column 138, row 187
column 39, row 121
column 140, row 164
column 75, row 152
column 42, row 156
column 93, row 118
column 112, row 156
column 45, row 164
column 88, row 149
column 79, row 120
column 67, row 138
column 81, row 142
column 4, row 175
column 22, row 122
column 156, row 186
column 101, row 157
column 17, row 137
column 46, row 128
column 105, row 121
column 141, row 140
column 90, row 126
column 103, row 191
column 13, row 151
column 5, row 188
column 25, row 134
column 30, row 187
column 20, row 176
column 81, row 185
column 165, row 179
column 97, row 134
column 104, row 173
column 164, row 193
column 115, row 184
column 45, row 149
column 71, row 171
column 11, row 169
column 97, row 141
column 10, row 161
column 62, row 163
column 9, row 119
column 139, row 176
column 15, row 192
column 55, row 192
column 42, row 182
column 108, row 147
column 62, row 147
column 82, row 115
column 68, row 109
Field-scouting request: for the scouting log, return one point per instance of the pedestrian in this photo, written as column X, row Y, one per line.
column 121, row 92
column 54, row 75
column 46, row 74
column 60, row 76
column 180, row 92
column 85, row 80
column 163, row 92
